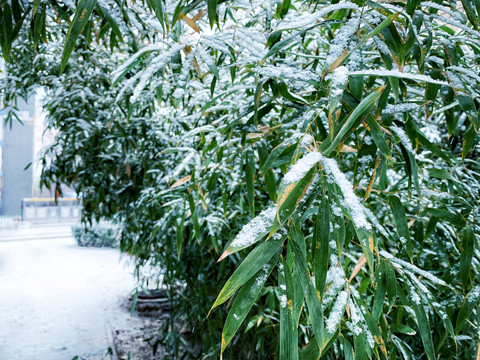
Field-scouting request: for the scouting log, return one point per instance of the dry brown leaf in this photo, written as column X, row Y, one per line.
column 181, row 181
column 191, row 23
column 360, row 263
column 254, row 135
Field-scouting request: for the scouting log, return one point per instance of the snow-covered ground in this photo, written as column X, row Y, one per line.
column 58, row 300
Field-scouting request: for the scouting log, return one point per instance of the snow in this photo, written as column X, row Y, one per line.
column 356, row 318
column 415, row 298
column 365, row 160
column 351, row 200
column 403, row 138
column 302, row 166
column 336, row 313
column 335, row 277
column 58, row 299
column 399, row 74
column 261, row 224
column 400, row 108
column 413, row 268
column 286, row 72
column 304, row 20
column 341, row 40
column 339, row 78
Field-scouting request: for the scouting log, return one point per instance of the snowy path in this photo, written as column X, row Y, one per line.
column 58, row 300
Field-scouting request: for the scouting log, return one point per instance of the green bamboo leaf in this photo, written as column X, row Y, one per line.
column 276, row 153
column 362, row 108
column 282, row 44
column 470, row 138
column 391, row 283
column 412, row 6
column 288, row 322
column 157, row 7
column 312, row 298
column 454, row 218
column 179, row 9
column 467, row 307
column 378, row 138
column 337, row 218
column 423, row 326
column 120, row 73
column 249, row 266
column 111, row 21
column 249, row 177
column 212, row 11
column 82, row 15
column 36, row 4
column 321, row 236
column 468, row 244
column 179, row 233
column 435, row 149
column 311, row 351
column 293, row 187
column 347, row 349
column 244, row 301
column 252, row 232
column 440, row 174
column 193, row 211
column 359, row 345
column 380, row 291
column 470, row 12
column 401, row 224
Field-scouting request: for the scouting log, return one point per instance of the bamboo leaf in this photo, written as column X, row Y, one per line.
column 111, row 21
column 312, row 298
column 468, row 239
column 212, row 11
column 380, row 291
column 249, row 266
column 82, row 15
column 252, row 232
column 467, row 307
column 321, row 235
column 293, row 187
column 424, row 327
column 157, row 7
column 378, row 138
column 362, row 108
column 245, row 300
column 249, row 177
column 401, row 224
column 288, row 323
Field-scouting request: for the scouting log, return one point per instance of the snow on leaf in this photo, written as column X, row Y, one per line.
column 403, row 138
column 253, row 231
column 413, row 268
column 336, row 314
column 302, row 166
column 357, row 210
column 399, row 74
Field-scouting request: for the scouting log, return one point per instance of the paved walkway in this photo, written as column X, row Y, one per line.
column 58, row 300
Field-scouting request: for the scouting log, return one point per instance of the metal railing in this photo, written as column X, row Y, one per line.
column 39, row 210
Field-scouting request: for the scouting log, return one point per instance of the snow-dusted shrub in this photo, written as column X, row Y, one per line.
column 102, row 234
